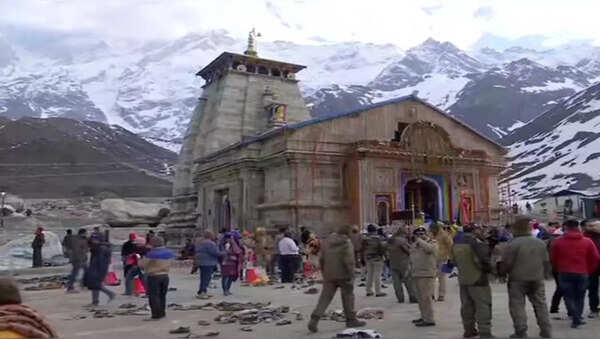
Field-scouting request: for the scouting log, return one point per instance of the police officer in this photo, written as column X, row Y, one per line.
column 423, row 260
column 527, row 263
column 337, row 263
column 373, row 254
column 471, row 255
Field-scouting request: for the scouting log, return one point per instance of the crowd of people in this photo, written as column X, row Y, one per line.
column 523, row 254
column 417, row 258
column 144, row 258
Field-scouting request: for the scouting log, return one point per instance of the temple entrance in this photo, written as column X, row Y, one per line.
column 425, row 195
column 222, row 210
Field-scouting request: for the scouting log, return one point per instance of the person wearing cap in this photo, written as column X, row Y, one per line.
column 423, row 260
column 37, row 244
column 337, row 262
column 575, row 258
column 373, row 255
column 444, row 242
column 471, row 255
column 156, row 264
column 525, row 260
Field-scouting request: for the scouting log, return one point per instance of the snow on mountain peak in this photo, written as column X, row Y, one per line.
column 559, row 149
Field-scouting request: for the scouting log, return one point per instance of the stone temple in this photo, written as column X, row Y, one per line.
column 254, row 157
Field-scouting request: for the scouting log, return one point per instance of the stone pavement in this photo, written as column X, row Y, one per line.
column 59, row 307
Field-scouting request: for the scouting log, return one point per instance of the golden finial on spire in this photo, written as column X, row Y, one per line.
column 251, row 50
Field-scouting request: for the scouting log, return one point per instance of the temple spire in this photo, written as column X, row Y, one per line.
column 251, row 50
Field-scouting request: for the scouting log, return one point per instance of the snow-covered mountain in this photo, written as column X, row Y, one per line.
column 495, row 96
column 559, row 149
column 150, row 88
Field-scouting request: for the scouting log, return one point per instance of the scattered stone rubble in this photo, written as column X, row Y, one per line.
column 370, row 313
column 52, row 282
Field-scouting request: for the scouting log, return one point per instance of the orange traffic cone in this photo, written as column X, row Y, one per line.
column 138, row 287
column 111, row 279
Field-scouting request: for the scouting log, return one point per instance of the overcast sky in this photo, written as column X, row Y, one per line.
column 401, row 22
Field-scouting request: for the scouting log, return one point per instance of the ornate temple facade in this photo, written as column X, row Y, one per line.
column 253, row 156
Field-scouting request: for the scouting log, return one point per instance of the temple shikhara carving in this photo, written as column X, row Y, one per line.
column 254, row 157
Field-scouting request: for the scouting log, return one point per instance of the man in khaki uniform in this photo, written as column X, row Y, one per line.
column 373, row 252
column 423, row 260
column 399, row 254
column 337, row 262
column 471, row 256
column 444, row 242
column 526, row 261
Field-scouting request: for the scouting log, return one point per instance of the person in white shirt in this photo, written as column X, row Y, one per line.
column 288, row 258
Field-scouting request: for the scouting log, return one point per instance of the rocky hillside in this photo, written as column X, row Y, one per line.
column 59, row 157
column 559, row 149
column 149, row 88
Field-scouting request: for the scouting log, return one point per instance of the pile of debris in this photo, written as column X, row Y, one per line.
column 366, row 313
column 46, row 279
column 52, row 282
column 245, row 314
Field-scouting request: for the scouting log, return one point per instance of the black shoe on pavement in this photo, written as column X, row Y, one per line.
column 425, row 324
column 355, row 323
column 380, row 294
column 369, row 294
column 417, row 320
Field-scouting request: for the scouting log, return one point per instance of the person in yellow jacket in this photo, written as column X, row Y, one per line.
column 444, row 242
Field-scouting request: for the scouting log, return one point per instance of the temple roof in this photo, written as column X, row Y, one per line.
column 298, row 125
column 226, row 59
column 384, row 103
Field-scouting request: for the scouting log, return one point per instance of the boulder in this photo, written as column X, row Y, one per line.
column 17, row 253
column 15, row 202
column 7, row 210
column 127, row 213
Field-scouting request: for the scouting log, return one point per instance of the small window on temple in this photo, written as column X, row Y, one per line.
column 285, row 74
column 263, row 70
column 235, row 65
column 251, row 68
column 398, row 133
column 275, row 72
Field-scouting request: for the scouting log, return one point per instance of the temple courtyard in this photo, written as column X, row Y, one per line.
column 65, row 310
